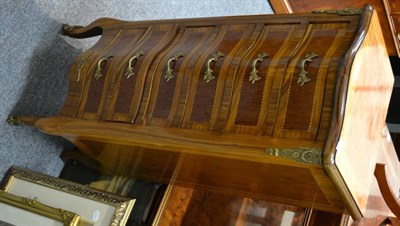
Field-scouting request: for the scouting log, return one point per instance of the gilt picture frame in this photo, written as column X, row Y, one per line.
column 95, row 207
column 17, row 210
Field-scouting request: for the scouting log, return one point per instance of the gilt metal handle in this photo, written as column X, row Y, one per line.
column 169, row 72
column 398, row 36
column 303, row 73
column 82, row 63
column 208, row 76
column 129, row 71
column 254, row 73
column 99, row 71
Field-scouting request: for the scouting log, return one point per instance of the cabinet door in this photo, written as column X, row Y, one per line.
column 259, row 78
column 127, row 91
column 170, row 75
column 210, row 90
column 307, row 90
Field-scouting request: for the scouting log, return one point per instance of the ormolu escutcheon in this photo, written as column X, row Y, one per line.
column 208, row 76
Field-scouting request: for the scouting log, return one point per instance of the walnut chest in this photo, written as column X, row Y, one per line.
column 286, row 108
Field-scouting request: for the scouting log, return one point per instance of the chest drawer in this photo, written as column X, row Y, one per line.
column 211, row 84
column 285, row 83
column 266, row 79
column 114, row 82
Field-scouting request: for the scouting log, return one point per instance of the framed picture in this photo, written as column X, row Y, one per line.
column 95, row 207
column 16, row 210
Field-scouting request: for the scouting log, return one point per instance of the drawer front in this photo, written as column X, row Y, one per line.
column 240, row 78
column 259, row 79
column 126, row 93
column 308, row 84
column 80, row 72
column 396, row 26
column 102, row 70
column 170, row 75
column 211, row 85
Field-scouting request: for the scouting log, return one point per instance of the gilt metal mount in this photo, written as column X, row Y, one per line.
column 19, row 121
column 303, row 73
column 68, row 28
column 302, row 155
column 346, row 11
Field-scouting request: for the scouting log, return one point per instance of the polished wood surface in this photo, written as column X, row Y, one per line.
column 224, row 167
column 188, row 102
column 306, row 6
column 190, row 207
column 193, row 206
column 366, row 107
column 251, row 130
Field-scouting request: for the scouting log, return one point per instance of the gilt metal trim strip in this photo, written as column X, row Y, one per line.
column 301, row 154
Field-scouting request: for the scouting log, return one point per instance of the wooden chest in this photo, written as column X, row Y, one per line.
column 271, row 106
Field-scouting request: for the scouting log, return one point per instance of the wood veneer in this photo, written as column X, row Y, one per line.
column 224, row 135
column 187, row 206
column 386, row 14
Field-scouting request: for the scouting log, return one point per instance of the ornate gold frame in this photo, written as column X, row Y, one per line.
column 31, row 205
column 123, row 205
